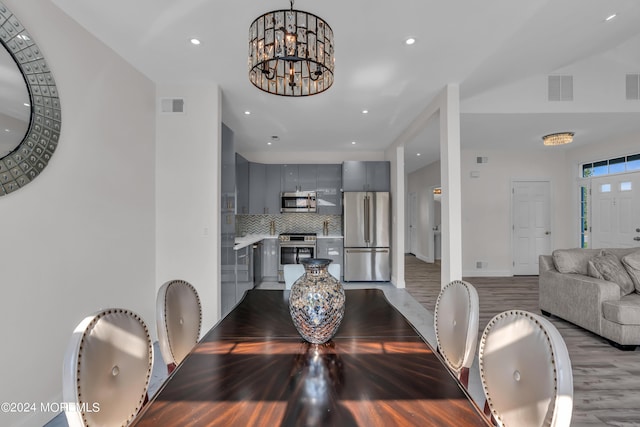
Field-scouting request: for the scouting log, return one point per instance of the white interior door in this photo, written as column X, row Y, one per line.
column 615, row 211
column 531, row 225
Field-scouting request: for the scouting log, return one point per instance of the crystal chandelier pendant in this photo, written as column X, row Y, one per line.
column 291, row 53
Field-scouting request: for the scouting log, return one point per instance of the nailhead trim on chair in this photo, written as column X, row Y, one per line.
column 86, row 332
column 487, row 329
column 180, row 282
column 455, row 282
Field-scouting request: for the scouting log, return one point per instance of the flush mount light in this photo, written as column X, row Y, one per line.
column 610, row 17
column 365, row 111
column 195, row 41
column 560, row 138
column 409, row 41
column 291, row 53
column 353, row 143
column 246, row 113
column 418, row 154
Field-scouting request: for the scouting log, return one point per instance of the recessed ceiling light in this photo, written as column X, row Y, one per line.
column 610, row 17
column 269, row 143
column 418, row 154
column 247, row 112
column 365, row 111
column 195, row 41
column 410, row 41
column 353, row 143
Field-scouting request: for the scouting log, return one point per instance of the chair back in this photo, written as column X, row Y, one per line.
column 178, row 320
column 456, row 326
column 525, row 371
column 107, row 367
column 291, row 273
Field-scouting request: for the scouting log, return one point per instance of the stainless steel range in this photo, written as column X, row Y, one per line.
column 294, row 247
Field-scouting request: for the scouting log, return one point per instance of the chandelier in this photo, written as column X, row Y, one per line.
column 291, row 53
column 558, row 138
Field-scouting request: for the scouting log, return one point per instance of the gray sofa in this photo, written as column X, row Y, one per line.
column 587, row 287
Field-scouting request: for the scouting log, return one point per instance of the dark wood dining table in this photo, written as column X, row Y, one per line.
column 254, row 369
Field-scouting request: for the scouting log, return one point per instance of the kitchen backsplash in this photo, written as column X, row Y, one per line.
column 288, row 223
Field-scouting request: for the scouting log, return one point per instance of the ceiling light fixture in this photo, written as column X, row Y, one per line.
column 353, row 143
column 410, row 41
column 195, row 41
column 291, row 53
column 246, row 113
column 610, row 17
column 560, row 138
column 365, row 111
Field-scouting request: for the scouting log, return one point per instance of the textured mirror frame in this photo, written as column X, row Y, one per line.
column 30, row 157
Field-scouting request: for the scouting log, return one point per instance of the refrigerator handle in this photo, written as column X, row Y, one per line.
column 366, row 219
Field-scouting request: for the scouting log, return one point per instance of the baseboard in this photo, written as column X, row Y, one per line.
column 487, row 273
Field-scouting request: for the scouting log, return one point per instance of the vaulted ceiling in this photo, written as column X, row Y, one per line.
column 500, row 53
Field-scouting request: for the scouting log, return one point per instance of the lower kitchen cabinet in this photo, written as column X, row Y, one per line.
column 270, row 260
column 331, row 248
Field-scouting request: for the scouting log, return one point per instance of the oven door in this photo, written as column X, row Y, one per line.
column 292, row 254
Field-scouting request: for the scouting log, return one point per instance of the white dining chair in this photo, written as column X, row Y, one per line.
column 178, row 320
column 525, row 371
column 456, row 327
column 107, row 363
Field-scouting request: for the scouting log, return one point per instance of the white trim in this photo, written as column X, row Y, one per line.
column 487, row 273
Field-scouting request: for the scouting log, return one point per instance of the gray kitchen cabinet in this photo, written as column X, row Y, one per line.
column 242, row 185
column 331, row 248
column 264, row 189
column 227, row 220
column 257, row 184
column 272, row 190
column 299, row 177
column 366, row 176
column 270, row 260
column 329, row 189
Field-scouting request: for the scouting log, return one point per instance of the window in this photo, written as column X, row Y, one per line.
column 625, row 186
column 611, row 166
column 605, row 188
column 584, row 216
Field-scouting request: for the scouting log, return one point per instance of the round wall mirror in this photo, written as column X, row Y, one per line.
column 29, row 107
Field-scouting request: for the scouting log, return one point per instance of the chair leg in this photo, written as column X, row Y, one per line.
column 464, row 377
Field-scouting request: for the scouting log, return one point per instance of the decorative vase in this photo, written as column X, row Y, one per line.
column 316, row 302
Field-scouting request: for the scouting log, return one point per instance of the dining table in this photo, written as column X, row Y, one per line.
column 254, row 369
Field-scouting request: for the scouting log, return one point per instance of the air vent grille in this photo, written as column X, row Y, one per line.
column 560, row 88
column 172, row 105
column 633, row 86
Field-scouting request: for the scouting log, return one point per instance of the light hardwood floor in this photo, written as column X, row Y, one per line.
column 606, row 380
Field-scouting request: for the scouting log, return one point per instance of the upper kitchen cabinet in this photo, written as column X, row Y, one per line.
column 242, row 185
column 366, row 176
column 264, row 189
column 329, row 194
column 299, row 178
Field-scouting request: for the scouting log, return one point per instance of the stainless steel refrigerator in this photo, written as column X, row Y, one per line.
column 367, row 255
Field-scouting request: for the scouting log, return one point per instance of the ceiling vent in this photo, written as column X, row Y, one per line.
column 560, row 88
column 633, row 86
column 172, row 105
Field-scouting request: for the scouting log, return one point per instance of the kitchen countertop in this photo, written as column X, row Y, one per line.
column 250, row 239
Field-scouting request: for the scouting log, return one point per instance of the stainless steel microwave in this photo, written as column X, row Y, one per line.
column 300, row 201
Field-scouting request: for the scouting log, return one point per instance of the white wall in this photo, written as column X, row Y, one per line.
column 81, row 236
column 187, row 188
column 486, row 204
column 422, row 182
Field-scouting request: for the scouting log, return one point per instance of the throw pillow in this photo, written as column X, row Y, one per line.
column 609, row 266
column 632, row 263
column 592, row 271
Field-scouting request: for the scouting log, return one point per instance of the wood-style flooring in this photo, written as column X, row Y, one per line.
column 606, row 380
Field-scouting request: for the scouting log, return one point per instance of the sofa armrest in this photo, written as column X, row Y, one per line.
column 575, row 297
column 545, row 263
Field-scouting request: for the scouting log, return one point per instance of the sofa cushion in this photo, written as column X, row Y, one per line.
column 625, row 311
column 611, row 269
column 632, row 263
column 620, row 252
column 573, row 260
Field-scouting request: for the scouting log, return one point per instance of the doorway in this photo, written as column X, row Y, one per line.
column 531, row 224
column 616, row 211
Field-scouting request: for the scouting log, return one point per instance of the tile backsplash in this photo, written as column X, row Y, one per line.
column 287, row 223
